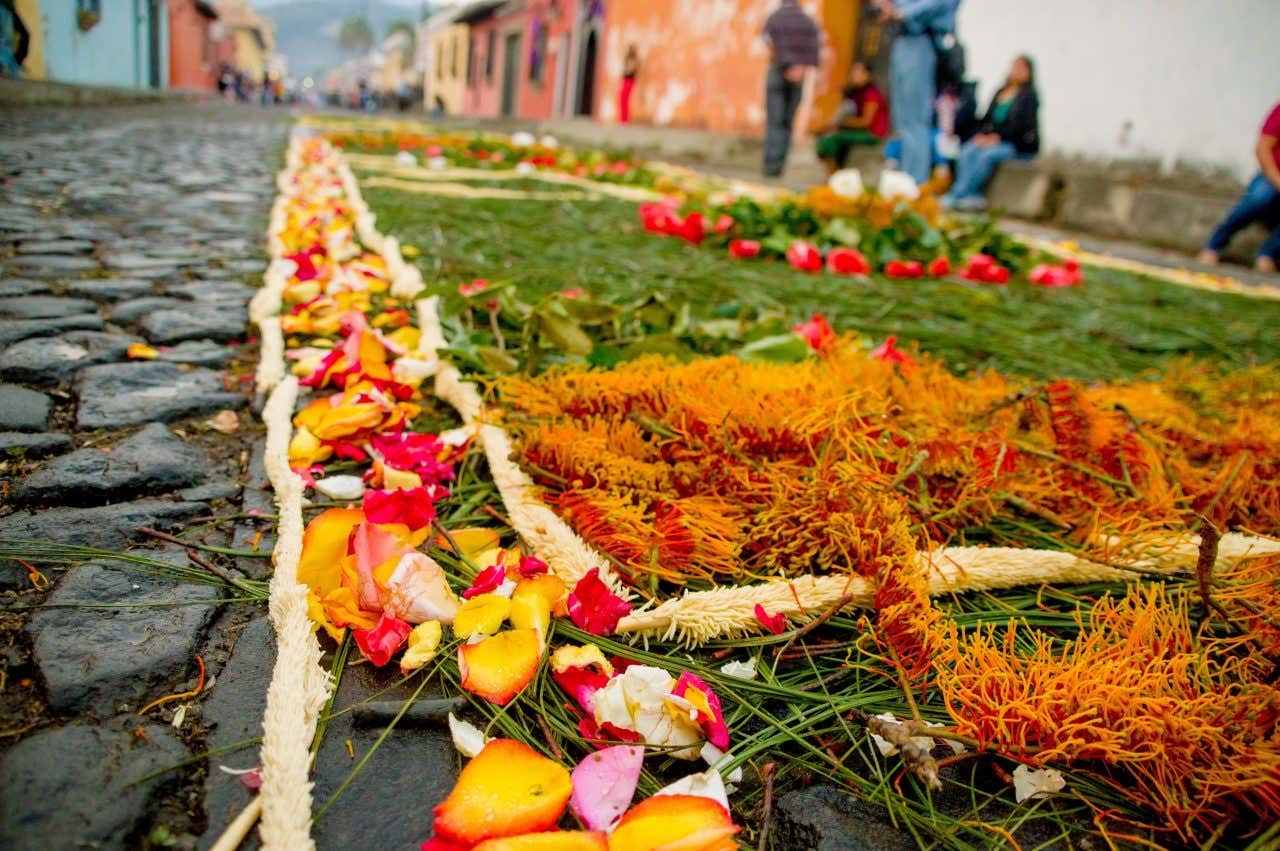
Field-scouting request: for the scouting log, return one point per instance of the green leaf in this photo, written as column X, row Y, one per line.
column 496, row 360
column 780, row 348
column 590, row 312
column 563, row 334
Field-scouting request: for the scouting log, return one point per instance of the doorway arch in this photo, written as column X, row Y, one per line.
column 588, row 60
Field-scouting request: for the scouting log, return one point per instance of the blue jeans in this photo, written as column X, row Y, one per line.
column 781, row 99
column 975, row 165
column 1260, row 203
column 893, row 149
column 913, row 64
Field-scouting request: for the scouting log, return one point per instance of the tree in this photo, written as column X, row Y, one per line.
column 356, row 35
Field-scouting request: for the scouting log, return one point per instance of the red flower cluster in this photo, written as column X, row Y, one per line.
column 983, row 269
column 1066, row 275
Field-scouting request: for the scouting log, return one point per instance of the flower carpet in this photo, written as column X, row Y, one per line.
column 678, row 563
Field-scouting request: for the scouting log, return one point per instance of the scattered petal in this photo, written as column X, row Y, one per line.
column 423, row 641
column 466, row 736
column 741, row 670
column 1031, row 783
column 684, row 822
column 777, row 623
column 593, row 607
column 507, row 790
column 707, row 784
column 343, row 488
column 603, row 785
column 497, row 668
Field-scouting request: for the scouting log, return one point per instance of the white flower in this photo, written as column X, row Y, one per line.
column 708, row 784
column 406, row 158
column 523, row 139
column 888, row 748
column 467, row 738
column 898, row 184
column 847, row 183
column 417, row 591
column 548, row 141
column 524, row 168
column 741, row 670
column 341, row 487
column 1036, row 782
column 437, row 163
column 640, row 700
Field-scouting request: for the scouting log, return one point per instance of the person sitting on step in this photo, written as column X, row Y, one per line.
column 1260, row 202
column 861, row 119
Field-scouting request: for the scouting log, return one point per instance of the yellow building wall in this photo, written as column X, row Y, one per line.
column 703, row 64
column 249, row 56
column 447, row 71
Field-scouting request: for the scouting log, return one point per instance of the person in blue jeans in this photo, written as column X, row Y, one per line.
column 913, row 68
column 1011, row 128
column 1260, row 202
column 793, row 42
column 15, row 40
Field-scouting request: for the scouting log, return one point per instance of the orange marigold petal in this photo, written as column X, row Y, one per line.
column 566, row 840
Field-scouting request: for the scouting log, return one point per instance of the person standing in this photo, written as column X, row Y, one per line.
column 792, row 37
column 15, row 40
column 913, row 68
column 1260, row 202
column 630, row 68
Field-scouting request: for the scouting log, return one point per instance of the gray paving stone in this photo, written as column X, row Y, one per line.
column 198, row 321
column 199, row 353
column 13, row 330
column 44, row 307
column 825, row 818
column 209, row 492
column 153, row 461
column 219, row 291
column 96, row 659
column 33, row 445
column 129, row 312
column 42, row 360
column 75, row 786
column 233, row 711
column 115, row 395
column 22, row 409
column 102, row 346
column 52, row 265
column 22, row 286
column 111, row 289
column 109, row 527
column 55, row 246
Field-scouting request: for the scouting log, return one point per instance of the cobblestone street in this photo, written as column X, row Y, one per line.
column 118, row 227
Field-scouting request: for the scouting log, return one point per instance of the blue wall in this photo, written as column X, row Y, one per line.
column 116, row 52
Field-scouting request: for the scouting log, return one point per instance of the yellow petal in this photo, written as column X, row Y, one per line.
column 423, row 642
column 483, row 614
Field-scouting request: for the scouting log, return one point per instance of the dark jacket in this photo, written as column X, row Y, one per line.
column 1021, row 126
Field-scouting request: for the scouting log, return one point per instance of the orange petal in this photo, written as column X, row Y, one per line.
column 498, row 668
column 675, row 823
column 483, row 613
column 565, row 840
column 507, row 790
column 324, row 544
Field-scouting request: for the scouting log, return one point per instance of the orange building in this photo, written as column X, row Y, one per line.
column 703, row 63
column 192, row 55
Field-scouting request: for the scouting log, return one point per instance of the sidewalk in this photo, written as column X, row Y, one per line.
column 1123, row 209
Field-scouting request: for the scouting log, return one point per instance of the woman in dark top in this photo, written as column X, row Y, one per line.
column 630, row 68
column 1011, row 128
column 862, row 119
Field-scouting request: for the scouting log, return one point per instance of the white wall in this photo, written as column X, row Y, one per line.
column 1188, row 80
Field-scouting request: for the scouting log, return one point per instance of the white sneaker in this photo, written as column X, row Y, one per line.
column 971, row 204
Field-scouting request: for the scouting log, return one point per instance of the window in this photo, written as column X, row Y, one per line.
column 490, row 50
column 538, row 53
column 471, row 51
column 457, row 58
column 439, row 61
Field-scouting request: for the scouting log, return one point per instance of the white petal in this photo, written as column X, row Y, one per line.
column 406, row 158
column 341, row 487
column 467, row 738
column 549, row 141
column 847, row 183
column 708, row 784
column 741, row 670
column 404, row 368
column 1036, row 782
column 715, row 758
column 522, row 139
